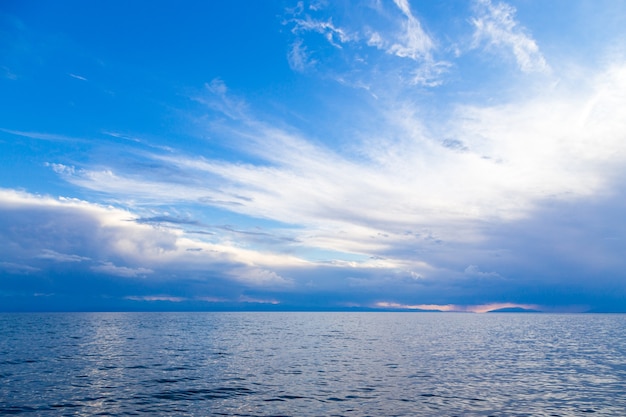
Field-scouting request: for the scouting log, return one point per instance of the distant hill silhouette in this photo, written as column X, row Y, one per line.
column 514, row 310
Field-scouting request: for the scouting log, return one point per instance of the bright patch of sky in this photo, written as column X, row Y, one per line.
column 313, row 155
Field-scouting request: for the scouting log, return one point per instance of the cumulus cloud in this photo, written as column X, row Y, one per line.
column 111, row 241
column 495, row 25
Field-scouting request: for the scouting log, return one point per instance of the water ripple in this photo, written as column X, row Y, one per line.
column 302, row 364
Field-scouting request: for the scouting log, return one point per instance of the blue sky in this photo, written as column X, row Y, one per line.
column 192, row 155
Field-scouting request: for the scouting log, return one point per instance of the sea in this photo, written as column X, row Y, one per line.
column 312, row 364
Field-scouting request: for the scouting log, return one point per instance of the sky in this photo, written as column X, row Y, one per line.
column 313, row 155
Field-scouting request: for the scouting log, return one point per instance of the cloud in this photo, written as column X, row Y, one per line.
column 336, row 36
column 15, row 268
column 78, row 77
column 246, row 299
column 299, row 58
column 43, row 136
column 397, row 33
column 430, row 74
column 121, row 271
column 496, row 26
column 393, row 169
column 33, row 224
column 167, row 219
column 406, row 198
column 7, row 73
column 111, row 241
column 61, row 257
column 560, row 143
column 157, row 298
column 481, row 308
column 474, row 271
column 260, row 277
column 413, row 43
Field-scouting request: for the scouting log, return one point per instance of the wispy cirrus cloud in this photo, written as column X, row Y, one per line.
column 405, row 187
column 336, row 36
column 401, row 37
column 413, row 43
column 43, row 136
column 496, row 27
column 299, row 57
column 77, row 77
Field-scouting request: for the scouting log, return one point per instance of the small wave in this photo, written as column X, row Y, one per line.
column 137, row 367
column 202, row 393
column 17, row 410
column 292, row 397
column 18, row 361
column 177, row 368
column 65, row 405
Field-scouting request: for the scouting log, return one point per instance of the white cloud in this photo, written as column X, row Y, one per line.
column 561, row 143
column 496, row 26
column 336, row 36
column 397, row 33
column 481, row 308
column 61, row 169
column 260, row 277
column 85, row 232
column 246, row 299
column 42, row 136
column 474, row 271
column 157, row 298
column 78, row 77
column 217, row 86
column 15, row 268
column 298, row 57
column 61, row 257
column 121, row 271
column 430, row 74
column 413, row 43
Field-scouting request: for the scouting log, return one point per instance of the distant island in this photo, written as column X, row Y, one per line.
column 514, row 310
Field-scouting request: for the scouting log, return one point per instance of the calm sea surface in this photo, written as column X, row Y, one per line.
column 313, row 364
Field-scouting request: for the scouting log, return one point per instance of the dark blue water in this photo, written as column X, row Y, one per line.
column 313, row 364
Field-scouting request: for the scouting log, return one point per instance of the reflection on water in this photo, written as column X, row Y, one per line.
column 313, row 364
